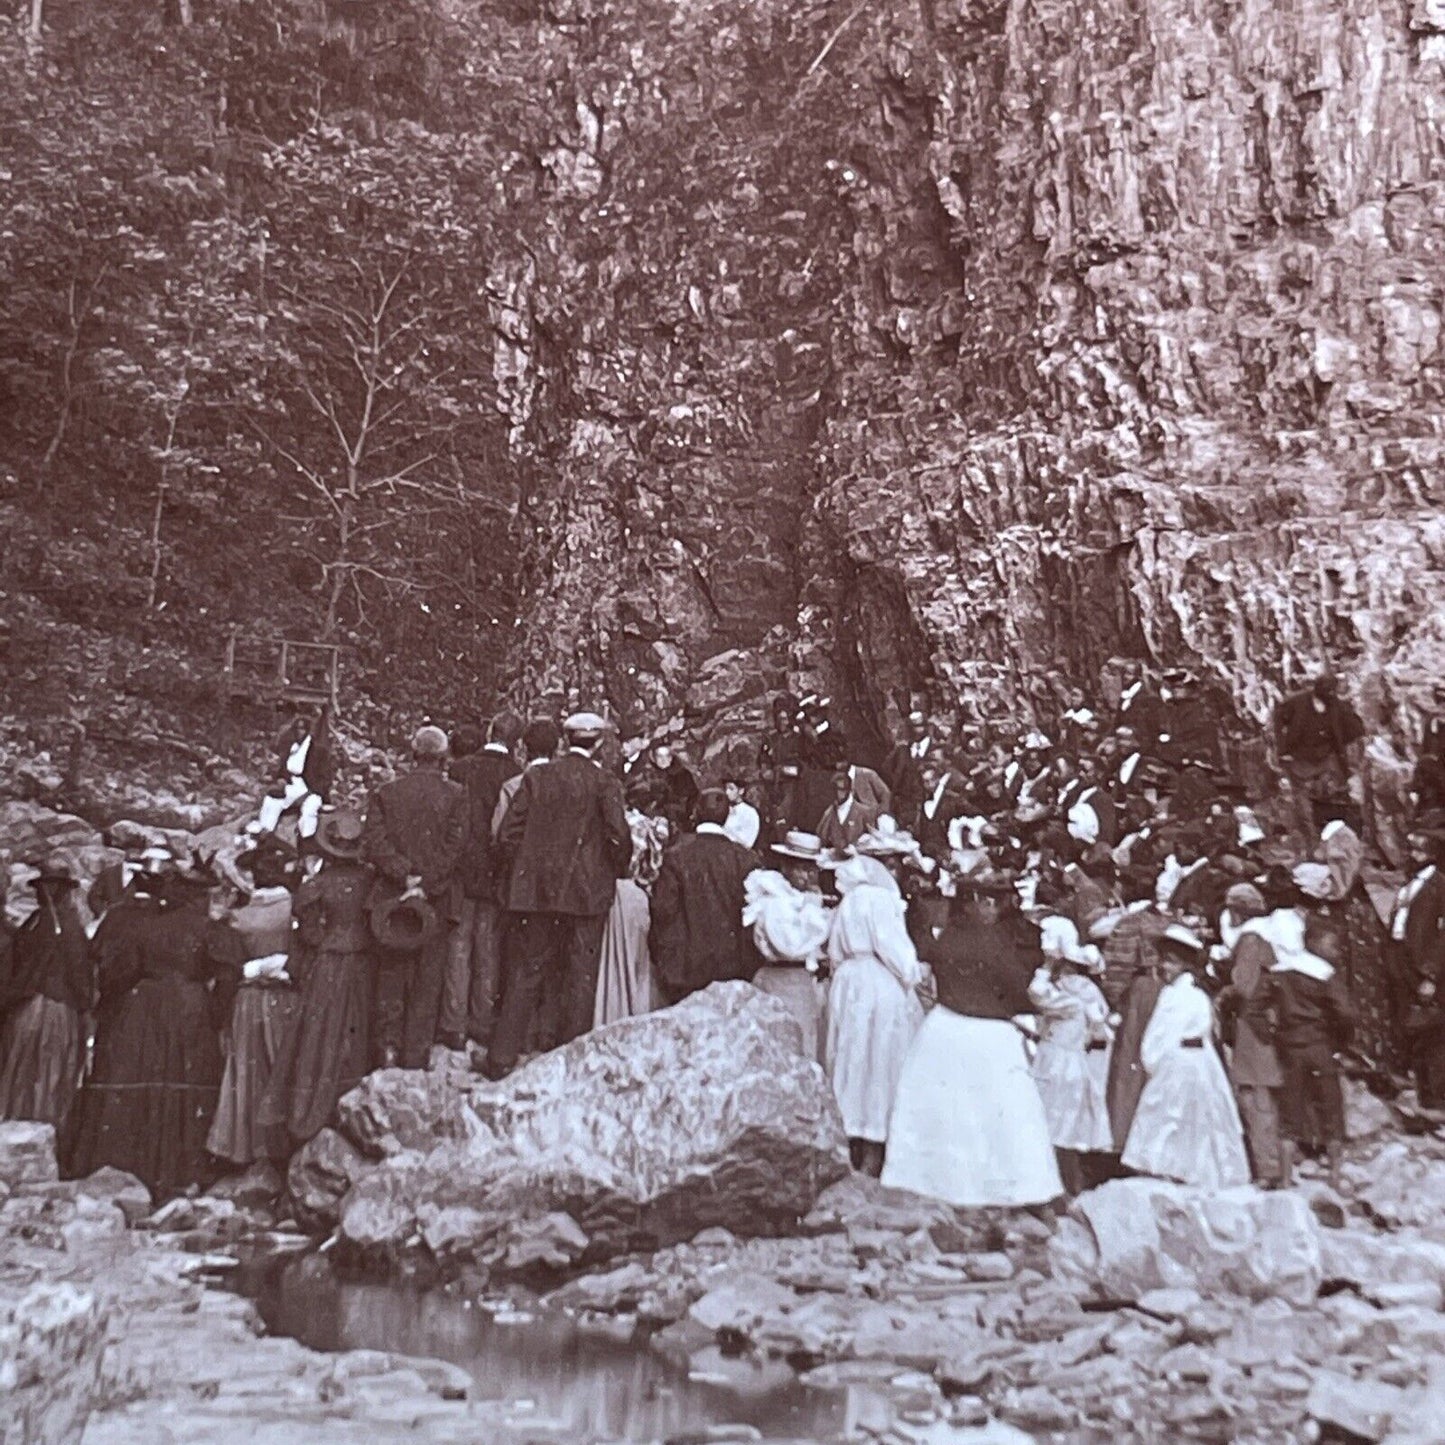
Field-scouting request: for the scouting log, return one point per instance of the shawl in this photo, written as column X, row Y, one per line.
column 1284, row 931
column 789, row 925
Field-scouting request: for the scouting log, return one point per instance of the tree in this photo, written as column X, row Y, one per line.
column 384, row 412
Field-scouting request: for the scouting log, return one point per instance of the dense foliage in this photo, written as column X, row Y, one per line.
column 246, row 341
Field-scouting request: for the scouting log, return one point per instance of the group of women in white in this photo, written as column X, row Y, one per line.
column 975, row 1103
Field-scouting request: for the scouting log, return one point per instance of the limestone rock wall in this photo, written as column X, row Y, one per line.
column 949, row 343
column 1180, row 392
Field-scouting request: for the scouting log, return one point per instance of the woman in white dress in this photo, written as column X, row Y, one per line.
column 1187, row 1125
column 873, row 1005
column 968, row 1125
column 789, row 921
column 1071, row 1064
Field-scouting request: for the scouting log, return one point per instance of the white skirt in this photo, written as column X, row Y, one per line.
column 872, row 1019
column 1187, row 1125
column 968, row 1125
column 1071, row 1082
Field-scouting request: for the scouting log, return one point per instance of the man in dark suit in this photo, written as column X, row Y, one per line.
column 473, row 967
column 902, row 770
column 416, row 828
column 697, row 935
column 848, row 817
column 564, row 842
column 1317, row 734
column 1417, row 955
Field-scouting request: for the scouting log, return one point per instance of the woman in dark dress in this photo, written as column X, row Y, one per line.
column 1337, row 894
column 167, row 978
column 332, row 1042
column 46, row 990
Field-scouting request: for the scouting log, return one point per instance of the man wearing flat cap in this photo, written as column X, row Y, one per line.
column 564, row 843
column 415, row 831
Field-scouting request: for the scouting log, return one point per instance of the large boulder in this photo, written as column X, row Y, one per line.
column 321, row 1173
column 52, row 1343
column 1131, row 1236
column 642, row 1133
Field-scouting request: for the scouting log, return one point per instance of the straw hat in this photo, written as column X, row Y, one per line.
column 796, row 844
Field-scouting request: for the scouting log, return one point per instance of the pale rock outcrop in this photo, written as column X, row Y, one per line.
column 1131, row 1236
column 641, row 1133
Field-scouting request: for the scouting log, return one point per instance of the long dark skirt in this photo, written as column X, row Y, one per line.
column 1366, row 966
column 1126, row 1071
column 152, row 1092
column 331, row 1049
column 42, row 1048
column 263, row 1021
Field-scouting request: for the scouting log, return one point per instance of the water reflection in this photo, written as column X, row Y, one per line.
column 581, row 1386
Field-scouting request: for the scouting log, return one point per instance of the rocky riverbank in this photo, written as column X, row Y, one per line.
column 1147, row 1311
column 1150, row 1312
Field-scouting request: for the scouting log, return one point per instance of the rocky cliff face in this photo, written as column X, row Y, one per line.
column 955, row 344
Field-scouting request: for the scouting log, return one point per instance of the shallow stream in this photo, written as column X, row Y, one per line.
column 558, row 1378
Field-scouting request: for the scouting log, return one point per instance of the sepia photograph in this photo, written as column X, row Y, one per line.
column 722, row 720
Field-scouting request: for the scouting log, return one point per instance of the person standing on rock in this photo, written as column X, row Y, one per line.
column 167, row 977
column 1071, row 1064
column 902, row 770
column 263, row 1017
column 624, row 976
column 697, row 935
column 1186, row 1127
column 789, row 921
column 780, row 763
column 1246, row 930
column 47, row 989
column 847, row 817
column 967, row 1124
column 1317, row 735
column 564, row 843
column 1334, row 885
column 415, row 831
column 1307, row 1012
column 1417, row 935
column 874, row 1008
column 334, row 968
column 473, row 976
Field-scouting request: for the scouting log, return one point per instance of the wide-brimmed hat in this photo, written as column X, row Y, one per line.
column 338, row 835
column 796, row 844
column 404, row 925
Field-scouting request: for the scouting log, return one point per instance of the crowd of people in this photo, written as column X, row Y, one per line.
column 1025, row 964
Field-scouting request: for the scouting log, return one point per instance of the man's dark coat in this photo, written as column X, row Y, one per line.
column 482, row 775
column 565, row 840
column 697, row 935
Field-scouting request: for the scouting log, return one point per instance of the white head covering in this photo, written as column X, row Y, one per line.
column 1058, row 937
column 1083, row 823
column 864, row 872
